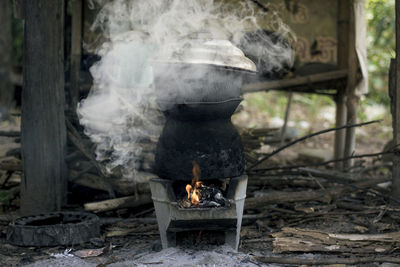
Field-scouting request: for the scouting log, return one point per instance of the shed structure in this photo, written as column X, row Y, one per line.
column 331, row 31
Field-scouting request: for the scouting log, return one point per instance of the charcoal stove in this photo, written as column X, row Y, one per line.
column 198, row 90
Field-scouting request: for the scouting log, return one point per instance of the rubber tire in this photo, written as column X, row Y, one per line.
column 75, row 228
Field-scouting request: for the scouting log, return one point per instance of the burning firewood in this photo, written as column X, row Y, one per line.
column 201, row 195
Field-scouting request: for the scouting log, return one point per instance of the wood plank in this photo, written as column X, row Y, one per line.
column 298, row 81
column 43, row 136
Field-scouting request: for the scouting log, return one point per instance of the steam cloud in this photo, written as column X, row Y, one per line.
column 121, row 114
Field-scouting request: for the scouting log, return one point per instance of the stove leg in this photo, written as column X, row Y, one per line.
column 232, row 238
column 168, row 239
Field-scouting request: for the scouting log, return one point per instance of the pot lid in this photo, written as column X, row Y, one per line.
column 213, row 52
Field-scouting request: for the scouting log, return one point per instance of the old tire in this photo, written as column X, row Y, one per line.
column 53, row 229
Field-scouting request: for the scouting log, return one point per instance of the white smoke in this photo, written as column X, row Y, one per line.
column 120, row 114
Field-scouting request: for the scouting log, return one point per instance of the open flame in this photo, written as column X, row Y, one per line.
column 192, row 189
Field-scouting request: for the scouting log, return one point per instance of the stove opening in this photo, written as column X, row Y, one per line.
column 201, row 238
column 201, row 194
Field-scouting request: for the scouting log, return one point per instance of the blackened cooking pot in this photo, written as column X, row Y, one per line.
column 179, row 83
column 202, row 111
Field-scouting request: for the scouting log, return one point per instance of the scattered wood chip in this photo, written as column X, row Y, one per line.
column 87, row 253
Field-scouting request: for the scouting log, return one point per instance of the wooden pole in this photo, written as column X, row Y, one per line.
column 340, row 99
column 19, row 9
column 43, row 137
column 351, row 96
column 76, row 51
column 287, row 114
column 394, row 81
column 6, row 88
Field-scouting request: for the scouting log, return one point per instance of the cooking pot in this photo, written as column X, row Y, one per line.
column 202, row 111
column 211, row 71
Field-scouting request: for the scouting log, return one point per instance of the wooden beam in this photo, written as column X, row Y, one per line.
column 298, row 81
column 394, row 82
column 76, row 51
column 6, row 88
column 43, row 137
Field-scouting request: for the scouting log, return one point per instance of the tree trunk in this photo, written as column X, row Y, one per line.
column 6, row 88
column 43, row 136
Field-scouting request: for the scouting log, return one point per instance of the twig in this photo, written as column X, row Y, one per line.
column 374, row 167
column 279, row 197
column 345, row 181
column 261, row 6
column 309, row 136
column 8, row 176
column 321, row 163
column 301, row 261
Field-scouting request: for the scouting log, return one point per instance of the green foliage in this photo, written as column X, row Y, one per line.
column 381, row 46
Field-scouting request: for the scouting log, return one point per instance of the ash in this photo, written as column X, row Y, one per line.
column 218, row 256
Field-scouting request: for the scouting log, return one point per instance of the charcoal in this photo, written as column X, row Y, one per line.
column 209, row 204
column 210, row 197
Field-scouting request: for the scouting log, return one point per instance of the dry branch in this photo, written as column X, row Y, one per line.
column 309, row 136
column 282, row 181
column 300, row 240
column 288, row 197
column 118, row 203
column 321, row 195
column 10, row 133
column 287, row 167
column 294, row 82
column 328, row 261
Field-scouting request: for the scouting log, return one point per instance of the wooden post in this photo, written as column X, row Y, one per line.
column 394, row 82
column 43, row 137
column 351, row 97
column 76, row 51
column 340, row 99
column 6, row 88
column 19, row 9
